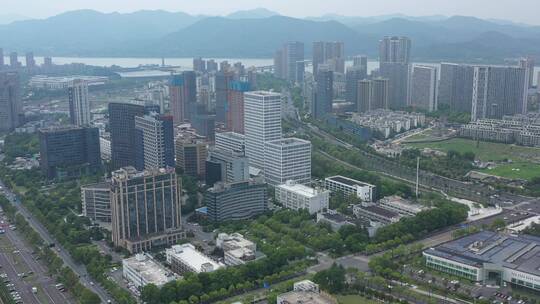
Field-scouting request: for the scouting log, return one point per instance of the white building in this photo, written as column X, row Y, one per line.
column 297, row 196
column 96, row 202
column 231, row 141
column 79, row 105
column 305, row 292
column 349, row 186
column 262, row 123
column 237, row 250
column 185, row 258
column 142, row 270
column 105, row 147
column 287, row 159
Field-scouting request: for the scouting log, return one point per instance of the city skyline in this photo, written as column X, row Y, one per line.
column 481, row 8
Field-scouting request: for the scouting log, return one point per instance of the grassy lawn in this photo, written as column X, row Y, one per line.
column 354, row 299
column 526, row 159
column 521, row 170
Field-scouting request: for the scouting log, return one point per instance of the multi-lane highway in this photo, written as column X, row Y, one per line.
column 80, row 270
column 17, row 260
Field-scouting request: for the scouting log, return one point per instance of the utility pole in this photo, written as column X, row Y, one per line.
column 417, row 174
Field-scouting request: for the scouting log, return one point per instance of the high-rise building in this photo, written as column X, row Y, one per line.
column 183, row 96
column 528, row 63
column 30, row 61
column 372, row 95
column 155, row 141
column 394, row 57
column 455, row 87
column 222, row 86
column 79, row 105
column 235, row 113
column 211, row 66
column 361, row 61
column 499, row 91
column 279, row 64
column 424, row 88
column 289, row 62
column 1, row 58
column 205, row 125
column 262, row 123
column 331, row 53
column 191, row 154
column 145, row 208
column 231, row 141
column 96, row 202
column 395, row 49
column 123, row 133
column 69, row 151
column 353, row 76
column 323, row 93
column 398, row 83
column 231, row 166
column 287, row 159
column 47, row 62
column 294, row 54
column 14, row 60
column 10, row 101
column 236, row 201
column 199, row 65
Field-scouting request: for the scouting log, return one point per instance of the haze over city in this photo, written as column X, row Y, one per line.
column 523, row 11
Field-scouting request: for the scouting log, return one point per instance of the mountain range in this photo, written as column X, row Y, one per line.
column 259, row 32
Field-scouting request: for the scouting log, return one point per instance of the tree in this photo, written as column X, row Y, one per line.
column 497, row 224
column 332, row 279
column 150, row 294
column 88, row 297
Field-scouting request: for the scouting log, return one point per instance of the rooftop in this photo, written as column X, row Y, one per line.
column 521, row 253
column 300, row 189
column 189, row 255
column 380, row 211
column 305, row 297
column 348, row 181
column 149, row 269
column 290, row 141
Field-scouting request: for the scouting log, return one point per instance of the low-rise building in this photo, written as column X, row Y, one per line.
column 491, row 258
column 96, row 202
column 400, row 205
column 335, row 219
column 519, row 129
column 142, row 270
column 185, row 258
column 297, row 196
column 305, row 292
column 389, row 122
column 349, row 186
column 375, row 213
column 236, row 201
column 236, row 249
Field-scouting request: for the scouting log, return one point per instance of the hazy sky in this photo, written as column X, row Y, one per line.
column 517, row 10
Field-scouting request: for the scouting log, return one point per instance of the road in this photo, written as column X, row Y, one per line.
column 16, row 258
column 80, row 270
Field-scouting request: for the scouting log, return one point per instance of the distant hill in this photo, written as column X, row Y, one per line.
column 9, row 18
column 259, row 32
column 257, row 37
column 85, row 32
column 252, row 14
